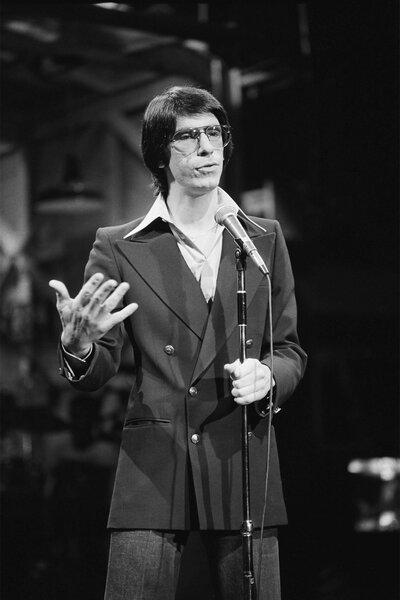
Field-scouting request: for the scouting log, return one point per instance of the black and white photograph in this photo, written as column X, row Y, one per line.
column 199, row 301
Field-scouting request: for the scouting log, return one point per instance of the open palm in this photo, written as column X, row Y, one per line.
column 88, row 316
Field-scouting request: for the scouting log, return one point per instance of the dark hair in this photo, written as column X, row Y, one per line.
column 159, row 126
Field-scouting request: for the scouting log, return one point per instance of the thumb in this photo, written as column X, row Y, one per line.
column 230, row 368
column 60, row 290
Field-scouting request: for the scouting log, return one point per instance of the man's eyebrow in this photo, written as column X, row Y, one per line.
column 185, row 129
column 198, row 127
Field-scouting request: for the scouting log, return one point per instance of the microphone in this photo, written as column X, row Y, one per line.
column 226, row 216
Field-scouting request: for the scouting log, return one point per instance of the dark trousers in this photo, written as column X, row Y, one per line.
column 144, row 564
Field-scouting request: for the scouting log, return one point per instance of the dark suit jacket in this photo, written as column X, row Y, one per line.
column 180, row 387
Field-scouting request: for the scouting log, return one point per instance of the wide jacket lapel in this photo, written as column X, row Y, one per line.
column 223, row 316
column 156, row 258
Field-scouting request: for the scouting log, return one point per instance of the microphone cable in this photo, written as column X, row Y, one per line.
column 269, row 430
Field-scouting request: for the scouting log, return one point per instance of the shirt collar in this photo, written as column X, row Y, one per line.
column 159, row 210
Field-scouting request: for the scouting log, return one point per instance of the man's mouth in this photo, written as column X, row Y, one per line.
column 207, row 168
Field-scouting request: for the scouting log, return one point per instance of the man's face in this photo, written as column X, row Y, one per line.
column 200, row 171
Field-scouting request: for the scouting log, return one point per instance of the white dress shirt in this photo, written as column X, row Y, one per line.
column 202, row 252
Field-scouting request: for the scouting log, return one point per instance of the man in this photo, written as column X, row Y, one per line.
column 171, row 278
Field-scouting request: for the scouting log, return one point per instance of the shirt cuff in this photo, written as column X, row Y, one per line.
column 84, row 359
column 75, row 366
column 262, row 407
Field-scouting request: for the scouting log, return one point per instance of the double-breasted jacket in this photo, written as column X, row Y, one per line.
column 180, row 411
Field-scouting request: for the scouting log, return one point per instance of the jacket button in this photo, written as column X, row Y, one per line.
column 193, row 391
column 249, row 343
column 168, row 349
column 195, row 438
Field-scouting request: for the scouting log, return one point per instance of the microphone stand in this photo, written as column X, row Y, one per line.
column 247, row 524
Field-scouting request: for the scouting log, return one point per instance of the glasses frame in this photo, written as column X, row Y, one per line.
column 225, row 130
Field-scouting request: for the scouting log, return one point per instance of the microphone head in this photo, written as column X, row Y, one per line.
column 224, row 211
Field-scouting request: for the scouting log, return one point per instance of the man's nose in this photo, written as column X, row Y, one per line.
column 204, row 143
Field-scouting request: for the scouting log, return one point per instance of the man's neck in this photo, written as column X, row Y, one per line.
column 193, row 213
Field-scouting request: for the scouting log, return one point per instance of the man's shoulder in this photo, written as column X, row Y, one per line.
column 268, row 224
column 117, row 232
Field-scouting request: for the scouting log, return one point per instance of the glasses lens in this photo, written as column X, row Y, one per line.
column 187, row 141
column 219, row 135
column 226, row 134
column 214, row 134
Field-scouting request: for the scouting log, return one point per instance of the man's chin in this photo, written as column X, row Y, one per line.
column 207, row 184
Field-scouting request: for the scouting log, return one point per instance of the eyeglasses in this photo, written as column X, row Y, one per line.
column 188, row 140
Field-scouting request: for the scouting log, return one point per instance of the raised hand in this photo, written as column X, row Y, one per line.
column 251, row 380
column 88, row 316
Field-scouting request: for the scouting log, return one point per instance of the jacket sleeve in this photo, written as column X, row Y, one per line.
column 106, row 356
column 289, row 359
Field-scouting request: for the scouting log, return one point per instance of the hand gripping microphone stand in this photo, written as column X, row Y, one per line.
column 247, row 524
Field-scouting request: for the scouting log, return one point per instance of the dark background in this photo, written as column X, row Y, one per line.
column 325, row 130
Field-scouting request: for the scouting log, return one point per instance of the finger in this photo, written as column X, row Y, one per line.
column 121, row 315
column 250, row 390
column 101, row 294
column 242, row 401
column 247, row 400
column 85, row 294
column 60, row 289
column 247, row 379
column 248, row 367
column 239, row 369
column 252, row 396
column 240, row 384
column 115, row 298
